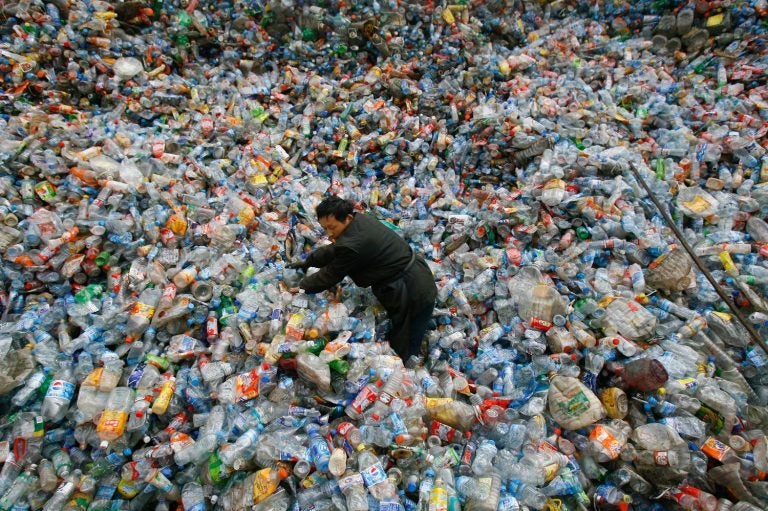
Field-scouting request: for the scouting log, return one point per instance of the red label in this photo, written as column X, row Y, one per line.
column 540, row 324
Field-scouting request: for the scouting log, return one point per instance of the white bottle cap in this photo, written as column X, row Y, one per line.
column 104, row 444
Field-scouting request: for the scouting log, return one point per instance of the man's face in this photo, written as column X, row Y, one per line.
column 334, row 227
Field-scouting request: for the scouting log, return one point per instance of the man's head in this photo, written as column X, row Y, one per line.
column 334, row 214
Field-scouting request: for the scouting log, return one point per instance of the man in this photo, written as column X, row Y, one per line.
column 373, row 255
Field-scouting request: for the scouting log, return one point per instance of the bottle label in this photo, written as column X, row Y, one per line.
column 199, row 506
column 344, row 428
column 712, row 418
column 187, row 346
column 442, row 431
column 247, row 385
column 136, row 374
column 61, row 389
column 374, row 475
column 615, row 402
column 112, row 421
column 105, row 492
column 390, row 505
column 363, row 399
column 385, row 397
column 128, row 489
column 576, row 405
column 661, row 458
column 438, row 499
column 263, row 485
column 180, row 441
column 688, row 383
column 79, row 500
column 348, row 482
column 214, row 468
column 604, row 437
column 716, row 449
column 142, row 309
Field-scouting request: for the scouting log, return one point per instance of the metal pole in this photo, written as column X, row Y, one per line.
column 671, row 224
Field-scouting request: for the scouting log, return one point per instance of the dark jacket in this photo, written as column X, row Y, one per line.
column 368, row 252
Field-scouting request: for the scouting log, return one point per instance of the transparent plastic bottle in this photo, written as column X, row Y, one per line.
column 193, row 497
column 353, row 488
column 483, row 463
column 60, row 392
column 374, row 476
column 115, row 415
column 142, row 313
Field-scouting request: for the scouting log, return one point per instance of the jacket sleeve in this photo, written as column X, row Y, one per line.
column 320, row 257
column 344, row 262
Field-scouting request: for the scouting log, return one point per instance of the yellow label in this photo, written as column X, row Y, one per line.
column 698, row 204
column 434, row 402
column 615, row 402
column 554, row 183
column 143, row 309
column 728, row 265
column 164, row 398
column 246, row 215
column 264, row 485
column 448, row 17
column 177, row 224
column 550, row 471
column 93, row 379
column 715, row 20
column 128, row 489
column 723, row 315
column 112, row 421
column 259, row 180
column 438, row 497
column 687, row 382
column 605, row 301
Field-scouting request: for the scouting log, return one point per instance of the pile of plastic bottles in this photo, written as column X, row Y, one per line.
column 160, row 164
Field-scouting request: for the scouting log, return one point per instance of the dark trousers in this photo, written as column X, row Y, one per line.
column 409, row 302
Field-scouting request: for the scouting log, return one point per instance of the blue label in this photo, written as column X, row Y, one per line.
column 105, row 492
column 61, row 389
column 135, row 376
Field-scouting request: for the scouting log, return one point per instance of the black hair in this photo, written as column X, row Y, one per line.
column 334, row 206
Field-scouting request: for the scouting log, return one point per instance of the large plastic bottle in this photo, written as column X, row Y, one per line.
column 236, row 454
column 353, row 488
column 386, row 394
column 320, row 453
column 115, row 415
column 374, row 476
column 142, row 313
column 19, row 488
column 483, row 462
column 60, row 392
column 193, row 497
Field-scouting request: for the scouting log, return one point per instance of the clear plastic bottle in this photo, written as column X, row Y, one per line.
column 353, row 488
column 193, row 497
column 20, row 487
column 490, row 500
column 373, row 473
column 142, row 313
column 483, row 462
column 320, row 453
column 60, row 392
column 234, row 455
column 115, row 415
